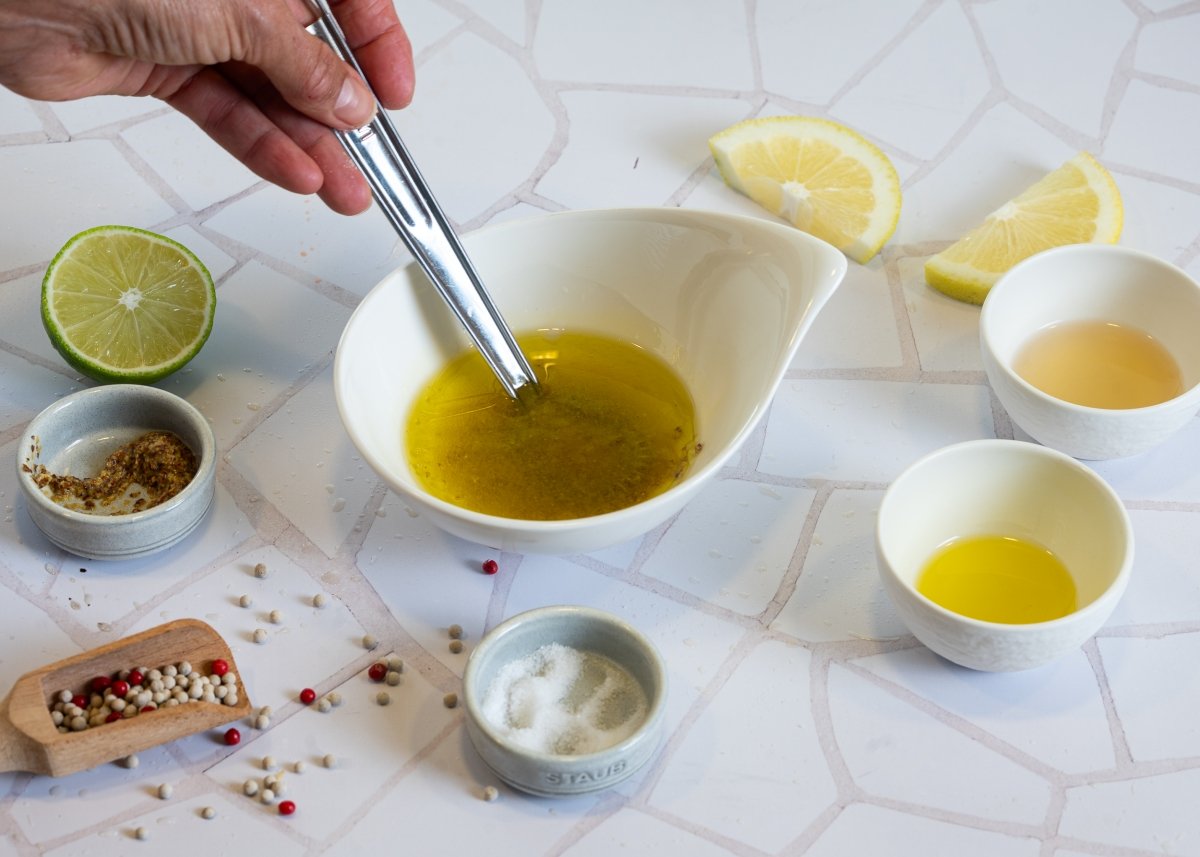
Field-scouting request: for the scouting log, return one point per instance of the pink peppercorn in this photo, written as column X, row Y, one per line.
column 135, row 677
column 120, row 688
column 79, row 700
column 233, row 737
column 287, row 807
column 101, row 683
column 113, row 717
column 308, row 696
column 220, row 666
column 490, row 566
column 377, row 672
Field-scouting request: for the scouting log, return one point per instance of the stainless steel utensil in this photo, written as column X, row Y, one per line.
column 410, row 207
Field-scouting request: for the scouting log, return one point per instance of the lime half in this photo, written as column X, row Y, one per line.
column 124, row 304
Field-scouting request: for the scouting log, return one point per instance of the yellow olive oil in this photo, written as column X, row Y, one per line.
column 610, row 426
column 1100, row 365
column 999, row 579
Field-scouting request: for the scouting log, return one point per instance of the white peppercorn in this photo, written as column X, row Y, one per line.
column 260, row 570
column 142, row 833
column 319, row 601
column 383, row 698
column 267, row 796
column 268, row 763
column 250, row 788
column 208, row 813
column 165, row 791
column 392, row 678
column 369, row 642
column 329, row 760
column 450, row 700
column 395, row 664
column 275, row 617
column 245, row 601
column 455, row 631
column 490, row 793
column 260, row 636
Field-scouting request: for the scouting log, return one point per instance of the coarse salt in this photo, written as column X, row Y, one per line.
column 564, row 701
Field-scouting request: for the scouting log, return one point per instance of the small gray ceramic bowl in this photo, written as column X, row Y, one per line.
column 78, row 432
column 588, row 631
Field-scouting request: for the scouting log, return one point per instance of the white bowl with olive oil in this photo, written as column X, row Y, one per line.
column 718, row 303
column 1093, row 349
column 1003, row 555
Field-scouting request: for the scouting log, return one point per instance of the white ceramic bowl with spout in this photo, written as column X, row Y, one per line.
column 725, row 300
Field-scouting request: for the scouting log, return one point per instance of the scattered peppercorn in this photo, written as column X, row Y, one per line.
column 490, row 793
column 260, row 636
column 245, row 601
column 208, row 813
column 318, row 601
column 308, row 696
column 383, row 698
column 455, row 631
column 287, row 807
column 329, row 760
column 260, row 570
column 450, row 700
column 377, row 672
column 369, row 642
column 392, row 678
column 490, row 566
column 233, row 737
column 456, row 646
column 220, row 666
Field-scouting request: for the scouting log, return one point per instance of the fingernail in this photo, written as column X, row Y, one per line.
column 354, row 106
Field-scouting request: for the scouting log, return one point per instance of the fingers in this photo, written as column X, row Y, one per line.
column 242, row 111
column 381, row 46
column 305, row 71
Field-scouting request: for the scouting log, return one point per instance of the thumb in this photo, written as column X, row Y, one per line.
column 304, row 69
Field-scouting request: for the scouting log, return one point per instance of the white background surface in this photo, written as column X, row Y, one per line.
column 803, row 719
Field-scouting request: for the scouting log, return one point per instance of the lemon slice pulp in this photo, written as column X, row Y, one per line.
column 820, row 176
column 123, row 304
column 1075, row 204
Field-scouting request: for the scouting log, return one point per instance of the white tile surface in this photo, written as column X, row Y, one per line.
column 1063, row 699
column 1024, row 38
column 732, row 545
column 891, row 750
column 838, row 595
column 1163, row 48
column 750, row 767
column 98, row 182
column 762, row 596
column 801, row 52
column 1148, row 678
column 865, row 829
column 637, row 148
column 867, row 430
column 911, row 102
column 576, row 43
column 173, row 146
column 1145, row 132
column 1152, row 813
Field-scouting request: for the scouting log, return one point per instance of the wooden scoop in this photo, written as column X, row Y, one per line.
column 29, row 740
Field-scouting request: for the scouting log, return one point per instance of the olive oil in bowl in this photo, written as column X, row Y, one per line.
column 611, row 425
column 999, row 579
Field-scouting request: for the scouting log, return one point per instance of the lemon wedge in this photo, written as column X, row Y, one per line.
column 821, row 177
column 123, row 304
column 1075, row 204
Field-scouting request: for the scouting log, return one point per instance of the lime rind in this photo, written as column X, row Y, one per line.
column 97, row 316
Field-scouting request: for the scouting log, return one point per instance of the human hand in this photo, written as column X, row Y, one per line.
column 245, row 71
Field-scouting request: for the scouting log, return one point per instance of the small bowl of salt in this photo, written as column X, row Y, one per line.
column 565, row 700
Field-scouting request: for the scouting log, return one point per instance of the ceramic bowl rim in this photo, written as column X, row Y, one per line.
column 205, row 456
column 1018, row 447
column 473, row 695
column 1005, row 365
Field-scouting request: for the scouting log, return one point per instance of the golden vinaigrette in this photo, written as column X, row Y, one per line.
column 999, row 579
column 611, row 425
column 1099, row 364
